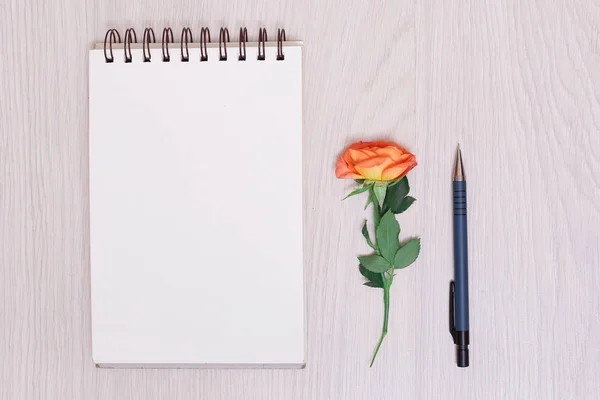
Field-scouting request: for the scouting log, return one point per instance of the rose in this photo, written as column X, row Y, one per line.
column 380, row 168
column 375, row 161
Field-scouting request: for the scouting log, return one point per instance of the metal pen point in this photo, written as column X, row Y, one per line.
column 459, row 287
column 459, row 169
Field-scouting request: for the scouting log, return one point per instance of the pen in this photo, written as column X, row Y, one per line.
column 459, row 287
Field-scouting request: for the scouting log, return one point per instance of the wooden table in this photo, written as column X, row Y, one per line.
column 516, row 83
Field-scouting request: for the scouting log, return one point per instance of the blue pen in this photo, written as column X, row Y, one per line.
column 459, row 288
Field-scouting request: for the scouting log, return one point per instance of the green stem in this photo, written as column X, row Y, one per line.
column 386, row 313
column 387, row 282
column 376, row 209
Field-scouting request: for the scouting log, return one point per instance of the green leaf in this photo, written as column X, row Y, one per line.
column 387, row 236
column 375, row 279
column 403, row 187
column 406, row 202
column 395, row 183
column 379, row 189
column 369, row 200
column 365, row 233
column 360, row 181
column 358, row 191
column 374, row 263
column 395, row 195
column 407, row 254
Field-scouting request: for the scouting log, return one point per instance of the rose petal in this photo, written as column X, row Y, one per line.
column 382, row 145
column 372, row 174
column 359, row 155
column 379, row 161
column 343, row 172
column 359, row 145
column 349, row 162
column 371, row 162
column 369, row 152
column 394, row 153
column 372, row 169
column 398, row 170
column 393, row 173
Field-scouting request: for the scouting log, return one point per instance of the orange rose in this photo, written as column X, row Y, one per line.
column 375, row 161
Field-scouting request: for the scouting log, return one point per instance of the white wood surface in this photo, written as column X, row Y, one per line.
column 515, row 82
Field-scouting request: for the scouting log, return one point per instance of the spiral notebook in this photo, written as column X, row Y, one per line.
column 196, row 200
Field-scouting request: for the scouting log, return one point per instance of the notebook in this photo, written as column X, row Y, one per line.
column 196, row 200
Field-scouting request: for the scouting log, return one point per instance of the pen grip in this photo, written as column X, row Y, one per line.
column 461, row 280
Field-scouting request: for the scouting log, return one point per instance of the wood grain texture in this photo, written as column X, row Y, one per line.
column 515, row 82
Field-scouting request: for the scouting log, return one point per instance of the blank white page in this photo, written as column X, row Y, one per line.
column 196, row 209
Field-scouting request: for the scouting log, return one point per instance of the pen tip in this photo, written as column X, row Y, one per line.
column 459, row 171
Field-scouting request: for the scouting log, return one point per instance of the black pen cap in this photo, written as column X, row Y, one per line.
column 462, row 356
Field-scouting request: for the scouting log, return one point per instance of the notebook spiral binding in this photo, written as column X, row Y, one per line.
column 112, row 36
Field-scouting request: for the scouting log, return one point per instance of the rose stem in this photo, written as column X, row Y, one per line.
column 386, row 312
column 386, row 283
